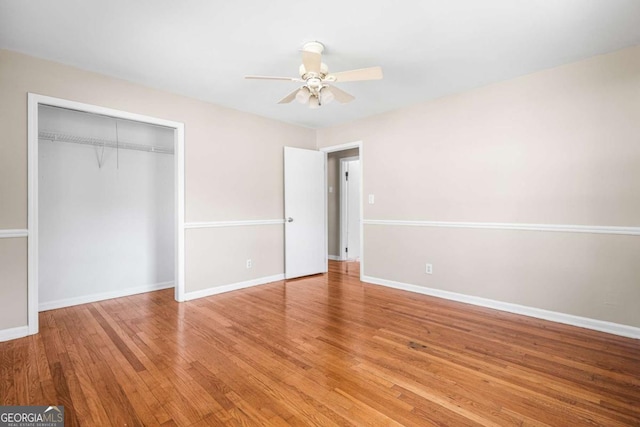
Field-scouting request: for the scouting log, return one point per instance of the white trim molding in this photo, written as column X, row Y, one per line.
column 596, row 229
column 215, row 224
column 341, row 147
column 344, row 201
column 335, row 258
column 232, row 287
column 11, row 233
column 68, row 302
column 13, row 333
column 568, row 319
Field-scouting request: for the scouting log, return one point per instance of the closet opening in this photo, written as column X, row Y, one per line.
column 106, row 205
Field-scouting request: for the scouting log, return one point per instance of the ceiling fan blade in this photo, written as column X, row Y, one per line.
column 339, row 95
column 311, row 61
column 287, row 99
column 371, row 73
column 290, row 79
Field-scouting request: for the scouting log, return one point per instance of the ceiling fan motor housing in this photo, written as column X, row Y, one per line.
column 324, row 70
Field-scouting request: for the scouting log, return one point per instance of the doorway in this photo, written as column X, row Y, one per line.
column 176, row 221
column 335, row 243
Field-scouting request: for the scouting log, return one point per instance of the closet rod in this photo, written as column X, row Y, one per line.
column 97, row 142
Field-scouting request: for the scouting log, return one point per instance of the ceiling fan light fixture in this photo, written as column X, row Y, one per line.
column 314, row 102
column 303, row 95
column 327, row 95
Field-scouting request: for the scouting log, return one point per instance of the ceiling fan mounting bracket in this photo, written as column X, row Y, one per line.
column 314, row 46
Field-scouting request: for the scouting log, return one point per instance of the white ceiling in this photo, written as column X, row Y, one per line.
column 427, row 48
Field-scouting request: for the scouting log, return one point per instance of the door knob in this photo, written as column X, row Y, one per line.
column 289, row 219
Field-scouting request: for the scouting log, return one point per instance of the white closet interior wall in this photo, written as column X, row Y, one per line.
column 106, row 218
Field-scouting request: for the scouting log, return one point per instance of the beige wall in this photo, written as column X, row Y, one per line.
column 234, row 169
column 588, row 275
column 333, row 199
column 226, row 263
column 13, row 280
column 561, row 146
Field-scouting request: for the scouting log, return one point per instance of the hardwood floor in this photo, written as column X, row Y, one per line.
column 324, row 350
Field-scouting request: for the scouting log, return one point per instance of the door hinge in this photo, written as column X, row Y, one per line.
column 346, row 250
column 346, row 175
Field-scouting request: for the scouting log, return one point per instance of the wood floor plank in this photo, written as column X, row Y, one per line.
column 322, row 350
column 7, row 376
column 35, row 390
column 517, row 381
column 21, row 363
column 117, row 340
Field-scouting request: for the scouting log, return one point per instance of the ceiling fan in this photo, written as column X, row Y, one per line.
column 317, row 89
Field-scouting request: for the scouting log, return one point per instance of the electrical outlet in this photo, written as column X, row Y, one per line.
column 372, row 199
column 249, row 263
column 429, row 269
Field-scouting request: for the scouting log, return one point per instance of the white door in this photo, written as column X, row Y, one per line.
column 304, row 210
column 353, row 209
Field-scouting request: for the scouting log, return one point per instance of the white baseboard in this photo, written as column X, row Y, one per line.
column 232, row 287
column 68, row 302
column 13, row 333
column 334, row 257
column 568, row 319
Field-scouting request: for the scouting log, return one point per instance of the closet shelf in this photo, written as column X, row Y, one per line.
column 98, row 142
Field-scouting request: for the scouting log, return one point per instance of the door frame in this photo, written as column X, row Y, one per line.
column 33, row 102
column 344, row 218
column 341, row 147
